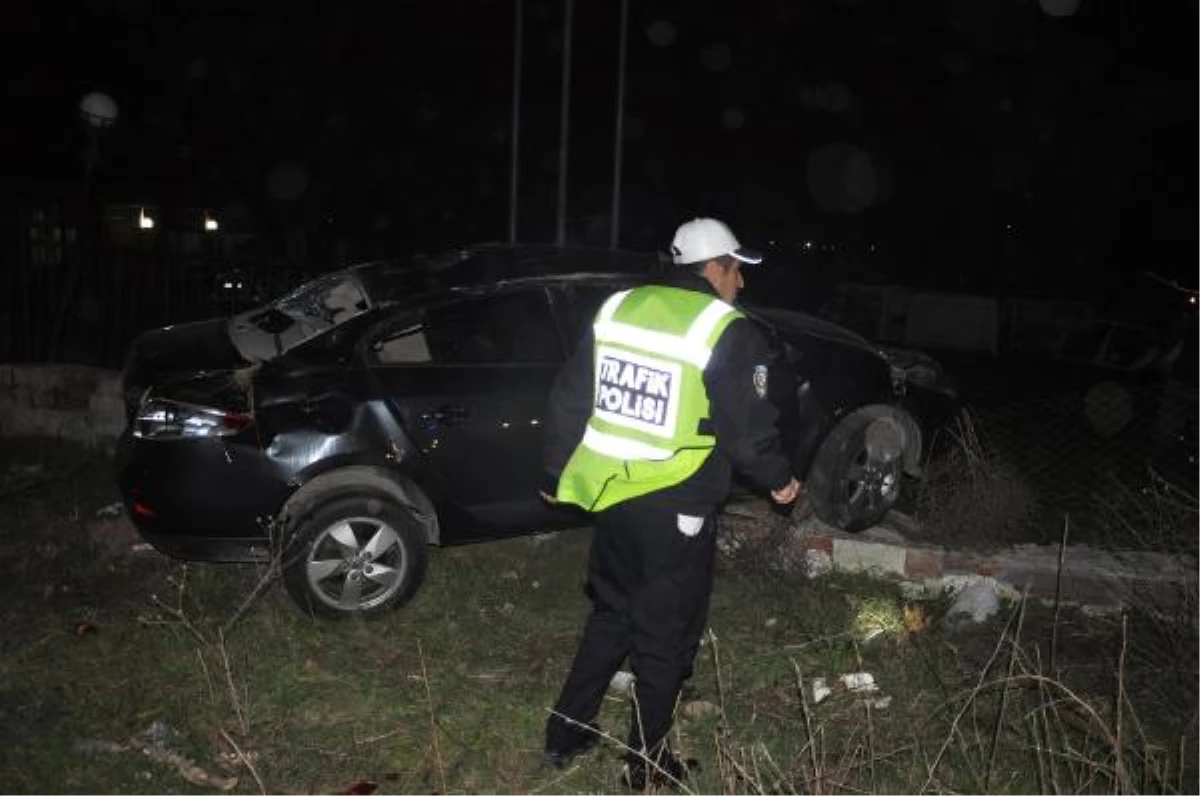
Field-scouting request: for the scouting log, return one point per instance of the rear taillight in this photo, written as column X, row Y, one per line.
column 164, row 420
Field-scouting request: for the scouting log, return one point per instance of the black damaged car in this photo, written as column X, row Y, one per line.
column 380, row 409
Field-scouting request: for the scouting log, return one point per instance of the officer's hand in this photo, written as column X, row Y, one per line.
column 787, row 494
column 553, row 501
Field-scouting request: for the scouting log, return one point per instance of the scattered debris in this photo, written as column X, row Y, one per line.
column 861, row 684
column 92, row 747
column 817, row 563
column 155, row 743
column 111, row 510
column 159, row 735
column 915, row 619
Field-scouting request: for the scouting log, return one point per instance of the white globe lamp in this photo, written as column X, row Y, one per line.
column 98, row 110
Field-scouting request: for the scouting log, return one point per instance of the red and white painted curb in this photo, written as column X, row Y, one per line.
column 1076, row 573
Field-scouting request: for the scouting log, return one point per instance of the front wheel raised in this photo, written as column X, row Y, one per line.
column 855, row 478
column 355, row 555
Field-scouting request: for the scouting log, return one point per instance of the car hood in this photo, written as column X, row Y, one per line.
column 790, row 321
column 910, row 366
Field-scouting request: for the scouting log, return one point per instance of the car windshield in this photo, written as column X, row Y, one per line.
column 309, row 310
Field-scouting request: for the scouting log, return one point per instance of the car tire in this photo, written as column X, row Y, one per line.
column 355, row 555
column 855, row 477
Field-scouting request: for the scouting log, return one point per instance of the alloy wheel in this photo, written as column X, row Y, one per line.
column 356, row 564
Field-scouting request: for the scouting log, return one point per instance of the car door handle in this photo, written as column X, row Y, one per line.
column 446, row 415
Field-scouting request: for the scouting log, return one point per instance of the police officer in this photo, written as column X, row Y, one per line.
column 664, row 397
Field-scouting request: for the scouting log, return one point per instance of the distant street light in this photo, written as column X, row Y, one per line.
column 99, row 110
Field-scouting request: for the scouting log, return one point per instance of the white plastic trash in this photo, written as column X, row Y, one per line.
column 859, row 682
column 978, row 602
column 622, row 683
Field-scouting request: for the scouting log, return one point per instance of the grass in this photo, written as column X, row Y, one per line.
column 451, row 693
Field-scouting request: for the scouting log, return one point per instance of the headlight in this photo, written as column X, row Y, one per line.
column 164, row 420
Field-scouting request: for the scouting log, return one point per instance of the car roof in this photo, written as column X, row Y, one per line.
column 493, row 263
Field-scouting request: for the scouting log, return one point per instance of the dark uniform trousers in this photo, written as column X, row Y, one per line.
column 650, row 586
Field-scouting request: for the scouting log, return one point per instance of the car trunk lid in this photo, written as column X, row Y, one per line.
column 175, row 355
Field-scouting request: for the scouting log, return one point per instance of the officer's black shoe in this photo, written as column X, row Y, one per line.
column 585, row 741
column 670, row 773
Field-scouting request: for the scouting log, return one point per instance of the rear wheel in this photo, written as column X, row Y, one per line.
column 856, row 475
column 355, row 555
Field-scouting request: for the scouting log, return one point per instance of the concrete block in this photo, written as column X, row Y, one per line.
column 853, row 555
column 17, row 421
column 8, row 416
column 109, row 386
column 75, row 402
column 20, row 394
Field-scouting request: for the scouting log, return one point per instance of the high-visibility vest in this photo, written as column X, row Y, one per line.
column 651, row 347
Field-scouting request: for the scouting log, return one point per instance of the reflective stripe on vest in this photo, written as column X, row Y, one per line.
column 622, row 448
column 691, row 347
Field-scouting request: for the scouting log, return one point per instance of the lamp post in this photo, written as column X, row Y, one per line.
column 564, row 125
column 515, row 153
column 98, row 112
column 619, row 132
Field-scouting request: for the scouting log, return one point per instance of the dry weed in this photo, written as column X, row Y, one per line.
column 971, row 495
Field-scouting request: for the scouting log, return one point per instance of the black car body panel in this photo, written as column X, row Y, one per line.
column 436, row 378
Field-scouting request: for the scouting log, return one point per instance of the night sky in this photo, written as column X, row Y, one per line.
column 973, row 144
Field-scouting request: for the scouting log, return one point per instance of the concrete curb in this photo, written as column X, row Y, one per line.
column 1089, row 576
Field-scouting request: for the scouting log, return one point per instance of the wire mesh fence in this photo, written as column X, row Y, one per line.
column 1108, row 463
column 87, row 311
